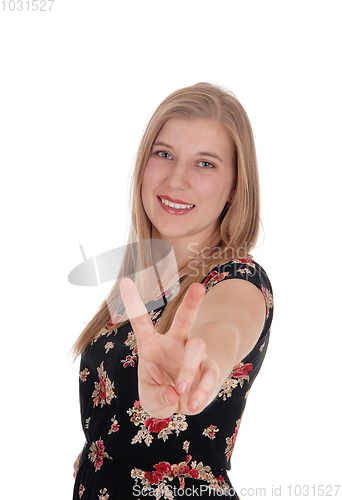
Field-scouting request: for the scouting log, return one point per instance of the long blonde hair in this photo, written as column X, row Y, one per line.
column 239, row 220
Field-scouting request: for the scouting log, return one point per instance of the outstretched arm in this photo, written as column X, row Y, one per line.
column 183, row 370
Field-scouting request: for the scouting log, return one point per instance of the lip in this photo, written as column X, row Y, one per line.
column 174, row 211
column 173, row 200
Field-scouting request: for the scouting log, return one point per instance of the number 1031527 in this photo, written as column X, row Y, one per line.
column 313, row 491
column 27, row 5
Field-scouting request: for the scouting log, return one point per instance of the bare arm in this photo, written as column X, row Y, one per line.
column 229, row 321
column 182, row 370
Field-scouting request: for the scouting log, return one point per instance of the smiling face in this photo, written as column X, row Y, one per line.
column 188, row 179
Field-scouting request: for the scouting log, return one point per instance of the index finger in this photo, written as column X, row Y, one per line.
column 187, row 312
column 136, row 311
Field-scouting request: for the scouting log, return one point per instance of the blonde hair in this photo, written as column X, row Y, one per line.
column 239, row 220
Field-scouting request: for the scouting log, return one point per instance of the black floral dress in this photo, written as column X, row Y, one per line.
column 129, row 454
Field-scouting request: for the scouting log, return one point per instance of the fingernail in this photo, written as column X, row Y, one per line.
column 168, row 402
column 181, row 387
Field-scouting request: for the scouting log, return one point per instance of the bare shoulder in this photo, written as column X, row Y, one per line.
column 234, row 295
column 235, row 305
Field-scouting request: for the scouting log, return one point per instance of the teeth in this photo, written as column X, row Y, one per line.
column 175, row 205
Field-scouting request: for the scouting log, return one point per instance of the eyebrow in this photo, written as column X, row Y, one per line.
column 203, row 153
column 162, row 144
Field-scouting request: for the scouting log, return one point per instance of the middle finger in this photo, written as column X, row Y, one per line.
column 187, row 312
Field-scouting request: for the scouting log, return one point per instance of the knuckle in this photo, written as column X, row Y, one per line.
column 213, row 374
column 188, row 373
column 184, row 322
column 203, row 392
column 198, row 343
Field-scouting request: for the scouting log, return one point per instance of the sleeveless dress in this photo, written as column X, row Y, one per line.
column 130, row 455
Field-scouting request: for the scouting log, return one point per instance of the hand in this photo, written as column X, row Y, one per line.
column 76, row 464
column 174, row 372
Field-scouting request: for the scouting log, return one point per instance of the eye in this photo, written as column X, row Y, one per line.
column 163, row 154
column 206, row 164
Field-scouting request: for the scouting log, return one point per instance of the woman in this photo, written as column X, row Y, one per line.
column 166, row 425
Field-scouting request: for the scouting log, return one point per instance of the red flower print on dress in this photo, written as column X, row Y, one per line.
column 153, row 477
column 220, row 479
column 213, row 278
column 109, row 346
column 186, row 445
column 237, row 377
column 131, row 342
column 156, row 424
column 227, row 388
column 97, row 454
column 84, row 374
column 193, row 473
column 115, row 426
column 81, row 490
column 164, row 471
column 268, row 299
column 104, row 389
column 210, row 431
column 137, row 413
column 241, row 370
column 231, row 440
column 108, row 329
column 210, row 275
column 244, row 270
column 249, row 262
column 129, row 360
column 148, row 425
column 103, row 494
column 163, row 467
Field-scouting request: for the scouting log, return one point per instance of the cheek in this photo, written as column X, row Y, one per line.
column 147, row 177
column 149, row 183
column 211, row 190
column 152, row 177
column 214, row 194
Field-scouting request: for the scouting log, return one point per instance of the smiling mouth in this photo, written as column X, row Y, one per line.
column 177, row 206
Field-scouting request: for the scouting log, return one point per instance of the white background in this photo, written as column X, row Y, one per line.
column 77, row 87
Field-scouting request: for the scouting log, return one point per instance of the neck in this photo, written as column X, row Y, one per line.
column 189, row 251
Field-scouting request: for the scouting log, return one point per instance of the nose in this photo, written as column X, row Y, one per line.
column 178, row 176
